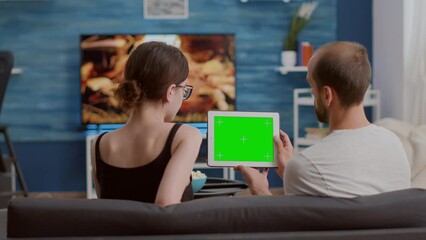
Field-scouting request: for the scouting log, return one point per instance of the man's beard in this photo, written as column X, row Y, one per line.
column 321, row 111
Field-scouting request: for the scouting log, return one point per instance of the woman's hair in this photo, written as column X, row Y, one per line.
column 151, row 68
column 345, row 67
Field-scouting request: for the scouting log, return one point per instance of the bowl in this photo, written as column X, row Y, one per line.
column 198, row 183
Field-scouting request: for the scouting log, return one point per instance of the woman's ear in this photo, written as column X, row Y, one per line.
column 169, row 93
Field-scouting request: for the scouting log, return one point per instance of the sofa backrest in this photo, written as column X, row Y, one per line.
column 46, row 217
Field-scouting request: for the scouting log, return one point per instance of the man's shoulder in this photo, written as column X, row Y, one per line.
column 342, row 142
column 387, row 134
column 324, row 145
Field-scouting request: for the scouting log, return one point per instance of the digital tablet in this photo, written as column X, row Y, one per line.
column 241, row 138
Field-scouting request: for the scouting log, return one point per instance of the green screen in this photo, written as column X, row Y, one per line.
column 246, row 139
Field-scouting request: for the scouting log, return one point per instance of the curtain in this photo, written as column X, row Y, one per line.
column 414, row 82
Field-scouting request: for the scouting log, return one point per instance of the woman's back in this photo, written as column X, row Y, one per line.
column 130, row 165
column 134, row 146
column 149, row 159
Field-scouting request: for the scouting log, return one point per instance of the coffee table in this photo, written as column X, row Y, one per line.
column 216, row 187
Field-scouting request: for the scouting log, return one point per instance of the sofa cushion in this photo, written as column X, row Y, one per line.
column 39, row 217
column 413, row 139
column 403, row 131
column 418, row 141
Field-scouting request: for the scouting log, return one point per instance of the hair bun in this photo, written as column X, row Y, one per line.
column 128, row 94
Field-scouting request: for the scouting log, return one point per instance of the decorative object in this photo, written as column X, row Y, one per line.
column 198, row 180
column 288, row 58
column 165, row 9
column 300, row 19
column 198, row 183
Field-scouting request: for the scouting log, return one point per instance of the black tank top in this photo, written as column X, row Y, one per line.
column 139, row 183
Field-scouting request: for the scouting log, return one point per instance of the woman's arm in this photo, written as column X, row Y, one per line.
column 185, row 148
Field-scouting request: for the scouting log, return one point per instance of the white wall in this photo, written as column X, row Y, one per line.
column 388, row 55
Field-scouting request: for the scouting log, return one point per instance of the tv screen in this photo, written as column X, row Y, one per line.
column 211, row 60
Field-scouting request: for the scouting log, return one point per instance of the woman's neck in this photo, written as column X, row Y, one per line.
column 147, row 113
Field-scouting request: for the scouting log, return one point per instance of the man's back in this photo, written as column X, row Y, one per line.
column 350, row 163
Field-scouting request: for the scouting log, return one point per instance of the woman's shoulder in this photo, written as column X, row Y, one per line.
column 189, row 130
column 187, row 137
column 186, row 131
column 96, row 138
column 108, row 140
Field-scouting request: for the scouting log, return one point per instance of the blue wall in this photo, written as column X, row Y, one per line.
column 42, row 104
column 355, row 22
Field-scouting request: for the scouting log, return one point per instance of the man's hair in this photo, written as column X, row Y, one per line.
column 344, row 66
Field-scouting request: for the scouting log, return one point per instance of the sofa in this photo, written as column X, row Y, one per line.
column 413, row 138
column 394, row 215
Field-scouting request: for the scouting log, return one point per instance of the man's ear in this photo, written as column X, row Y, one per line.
column 328, row 94
column 169, row 93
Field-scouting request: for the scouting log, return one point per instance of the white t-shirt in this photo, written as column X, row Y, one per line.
column 349, row 163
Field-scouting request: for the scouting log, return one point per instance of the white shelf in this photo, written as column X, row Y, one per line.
column 284, row 1
column 90, row 189
column 306, row 101
column 371, row 99
column 303, row 97
column 17, row 71
column 284, row 69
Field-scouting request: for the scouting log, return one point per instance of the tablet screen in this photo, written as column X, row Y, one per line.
column 241, row 138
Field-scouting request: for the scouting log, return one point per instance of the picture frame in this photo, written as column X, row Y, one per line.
column 165, row 9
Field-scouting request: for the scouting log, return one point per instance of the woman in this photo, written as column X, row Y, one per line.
column 149, row 159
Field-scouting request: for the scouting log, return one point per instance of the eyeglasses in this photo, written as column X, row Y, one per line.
column 187, row 90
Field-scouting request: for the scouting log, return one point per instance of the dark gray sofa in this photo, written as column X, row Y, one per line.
column 393, row 215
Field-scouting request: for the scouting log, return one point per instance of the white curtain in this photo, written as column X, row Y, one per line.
column 414, row 97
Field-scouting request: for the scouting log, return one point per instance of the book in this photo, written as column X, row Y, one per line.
column 299, row 53
column 307, row 51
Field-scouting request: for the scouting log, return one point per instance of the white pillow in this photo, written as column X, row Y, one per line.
column 418, row 141
column 399, row 127
column 402, row 130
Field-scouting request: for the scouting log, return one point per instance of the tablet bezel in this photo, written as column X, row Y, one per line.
column 210, row 137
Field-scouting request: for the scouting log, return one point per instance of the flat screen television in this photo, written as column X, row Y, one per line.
column 211, row 60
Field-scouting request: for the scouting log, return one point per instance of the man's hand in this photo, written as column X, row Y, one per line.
column 283, row 151
column 257, row 181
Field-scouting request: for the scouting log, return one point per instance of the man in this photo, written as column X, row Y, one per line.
column 357, row 157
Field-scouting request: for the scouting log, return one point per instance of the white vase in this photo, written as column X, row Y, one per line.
column 288, row 58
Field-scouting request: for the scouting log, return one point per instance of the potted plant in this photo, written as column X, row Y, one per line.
column 300, row 19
